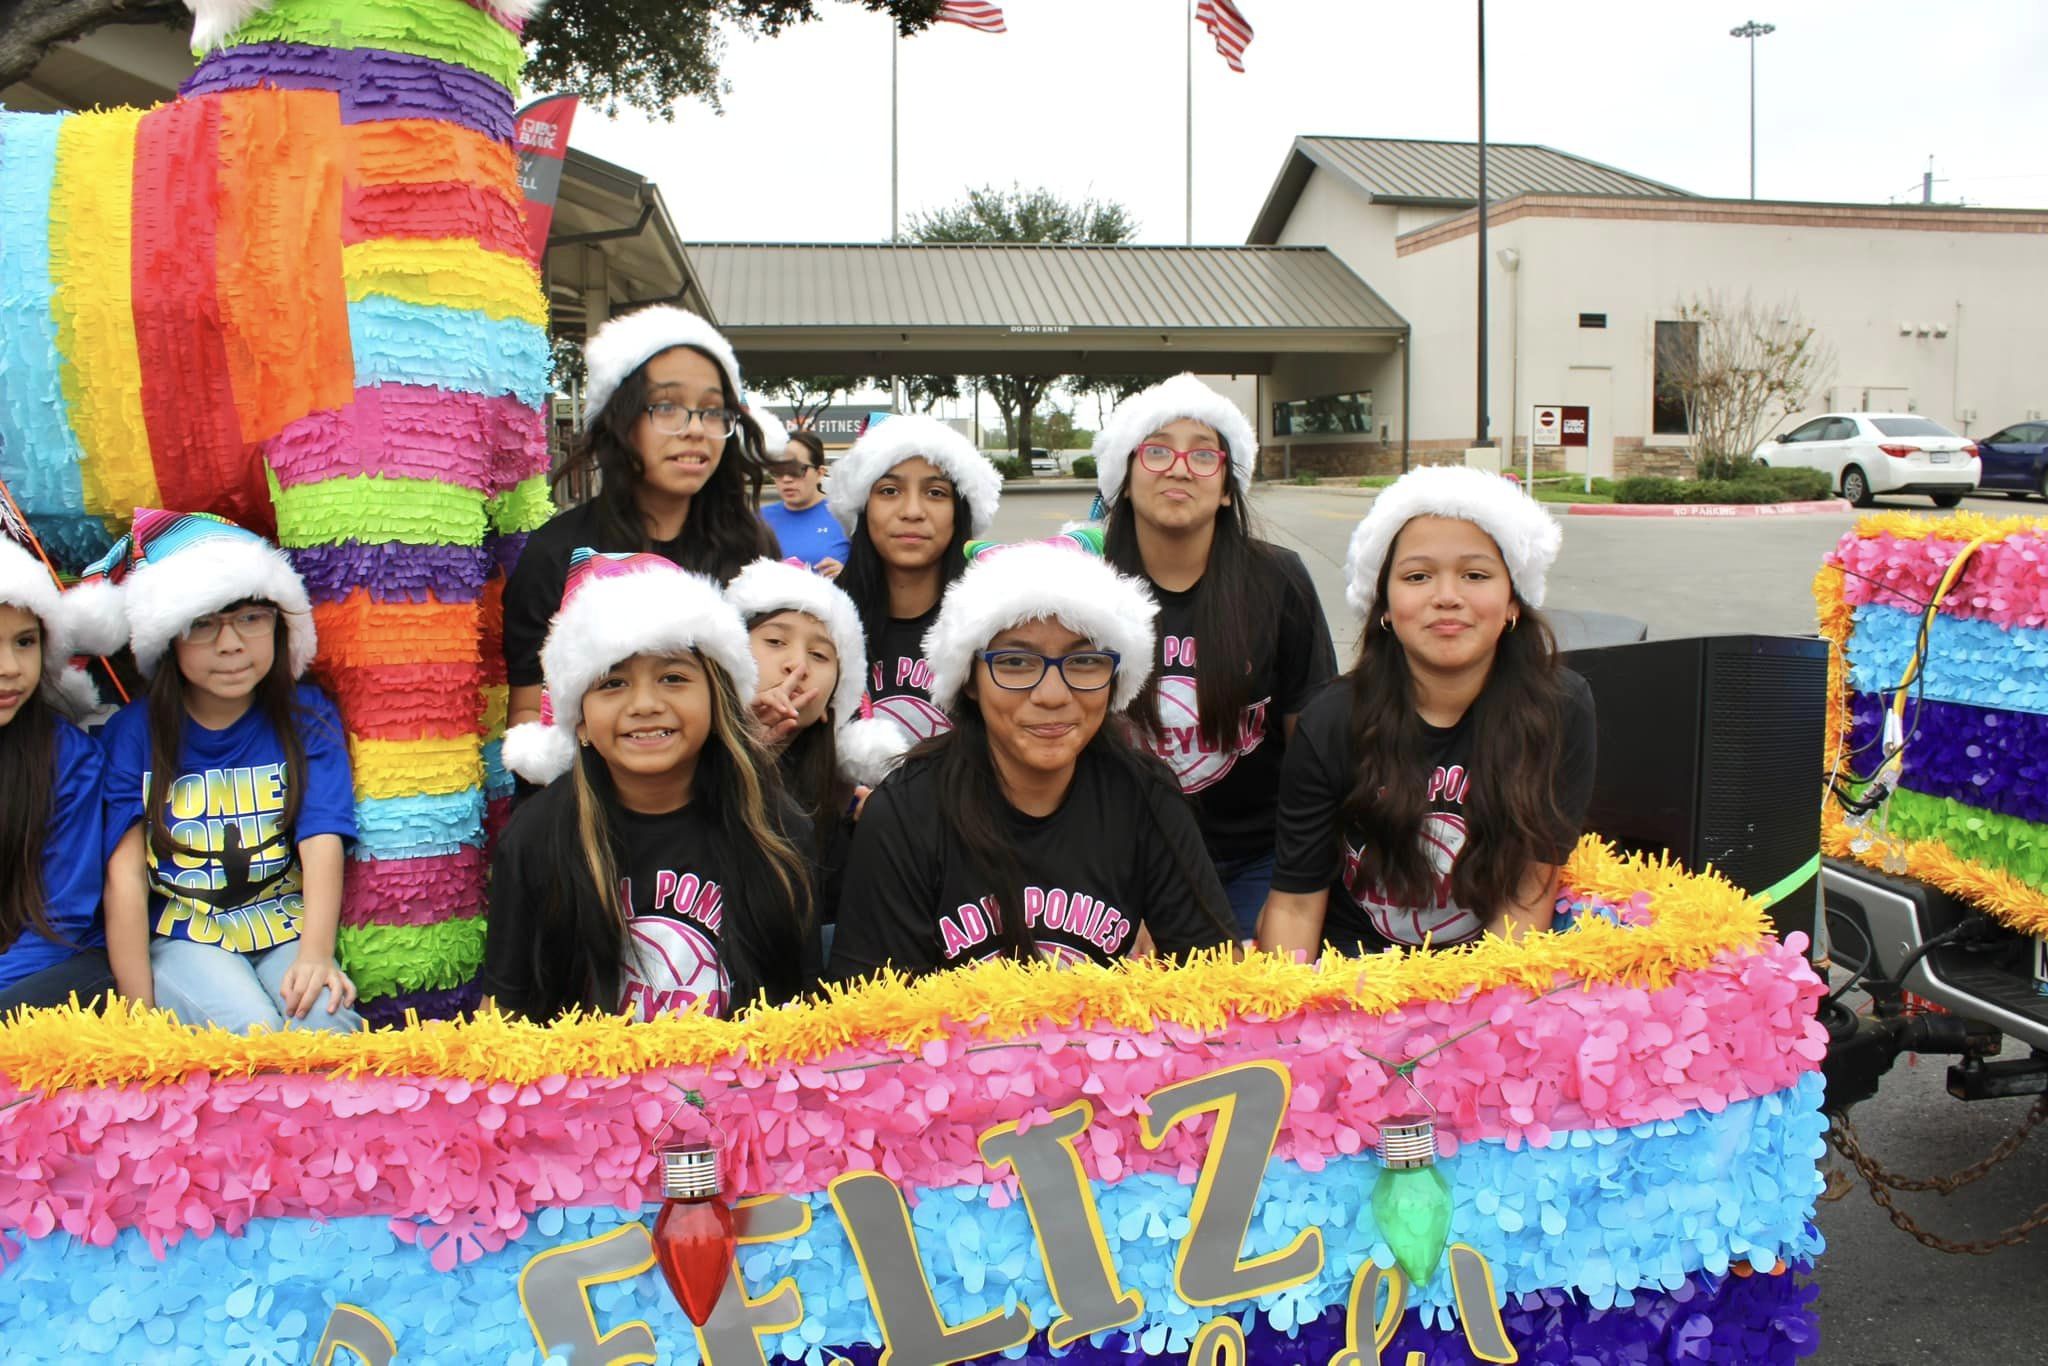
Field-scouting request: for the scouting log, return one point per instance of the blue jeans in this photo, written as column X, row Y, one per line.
column 85, row 972
column 202, row 985
column 1245, row 884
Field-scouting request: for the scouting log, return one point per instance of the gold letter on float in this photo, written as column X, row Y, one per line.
column 1220, row 1343
column 1249, row 1102
column 1067, row 1222
column 732, row 1336
column 878, row 1225
column 554, row 1289
column 350, row 1329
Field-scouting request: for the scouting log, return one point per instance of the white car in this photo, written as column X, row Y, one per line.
column 1867, row 454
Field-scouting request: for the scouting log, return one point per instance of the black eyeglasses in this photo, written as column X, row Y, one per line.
column 673, row 419
column 1021, row 670
column 252, row 622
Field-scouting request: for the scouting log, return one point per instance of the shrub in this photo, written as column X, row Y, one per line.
column 1754, row 486
column 1305, row 480
column 1084, row 467
column 1803, row 485
column 1012, row 467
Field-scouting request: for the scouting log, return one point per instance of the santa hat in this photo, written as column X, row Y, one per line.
column 615, row 607
column 890, row 442
column 630, row 340
column 766, row 587
column 774, row 431
column 179, row 566
column 1524, row 531
column 1145, row 412
column 25, row 582
column 1063, row 579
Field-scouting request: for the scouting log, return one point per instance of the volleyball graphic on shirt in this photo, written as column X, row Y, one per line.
column 1194, row 762
column 918, row 717
column 1442, row 839
column 670, row 965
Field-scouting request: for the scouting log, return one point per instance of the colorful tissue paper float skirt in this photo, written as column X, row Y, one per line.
column 299, row 296
column 1969, row 813
column 1091, row 1165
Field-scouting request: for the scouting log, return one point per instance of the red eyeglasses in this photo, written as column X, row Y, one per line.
column 1201, row 461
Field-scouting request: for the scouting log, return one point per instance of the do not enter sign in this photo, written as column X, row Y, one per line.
column 1562, row 424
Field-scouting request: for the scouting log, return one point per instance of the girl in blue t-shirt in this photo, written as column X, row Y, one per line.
column 227, row 788
column 51, row 945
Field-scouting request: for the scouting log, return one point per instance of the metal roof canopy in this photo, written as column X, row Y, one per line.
column 611, row 230
column 1442, row 175
column 1006, row 308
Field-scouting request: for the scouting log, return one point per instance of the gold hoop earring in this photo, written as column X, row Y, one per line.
column 1385, row 623
column 1514, row 621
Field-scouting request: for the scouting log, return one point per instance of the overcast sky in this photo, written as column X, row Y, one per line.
column 1087, row 96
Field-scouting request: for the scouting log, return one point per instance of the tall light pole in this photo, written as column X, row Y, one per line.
column 1752, row 30
column 1480, row 437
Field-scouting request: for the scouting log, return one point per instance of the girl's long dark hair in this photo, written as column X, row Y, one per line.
column 971, row 805
column 767, row 907
column 277, row 695
column 725, row 535
column 28, row 768
column 1511, row 813
column 866, row 578
column 1237, row 615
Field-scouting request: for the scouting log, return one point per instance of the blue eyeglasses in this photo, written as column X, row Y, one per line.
column 1021, row 670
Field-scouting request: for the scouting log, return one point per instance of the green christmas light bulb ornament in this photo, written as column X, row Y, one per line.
column 1411, row 1201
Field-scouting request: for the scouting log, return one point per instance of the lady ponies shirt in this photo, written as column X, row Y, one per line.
column 1122, row 851
column 899, row 679
column 1318, row 849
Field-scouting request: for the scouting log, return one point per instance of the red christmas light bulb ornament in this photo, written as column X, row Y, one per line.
column 693, row 1234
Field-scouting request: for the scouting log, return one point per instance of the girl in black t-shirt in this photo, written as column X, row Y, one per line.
column 1030, row 827
column 911, row 493
column 1242, row 640
column 665, row 873
column 806, row 642
column 678, row 467
column 1433, row 792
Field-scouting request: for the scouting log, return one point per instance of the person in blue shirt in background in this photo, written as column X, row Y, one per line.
column 51, row 850
column 801, row 521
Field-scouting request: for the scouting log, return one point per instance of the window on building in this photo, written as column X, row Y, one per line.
column 1334, row 414
column 1678, row 357
column 1592, row 320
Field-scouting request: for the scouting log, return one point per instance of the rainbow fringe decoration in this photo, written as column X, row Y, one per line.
column 1629, row 1108
column 298, row 296
column 1969, row 809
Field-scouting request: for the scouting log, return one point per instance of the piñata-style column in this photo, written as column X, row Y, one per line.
column 403, row 504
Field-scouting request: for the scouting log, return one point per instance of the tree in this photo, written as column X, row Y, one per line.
column 644, row 53
column 1060, row 433
column 1108, row 390
column 810, row 395
column 1737, row 368
column 989, row 214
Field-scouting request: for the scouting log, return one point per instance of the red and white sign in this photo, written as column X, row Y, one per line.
column 542, row 141
column 1562, row 425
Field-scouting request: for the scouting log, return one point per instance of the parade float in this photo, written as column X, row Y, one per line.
column 299, row 296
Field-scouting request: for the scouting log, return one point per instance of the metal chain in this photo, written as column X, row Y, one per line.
column 1842, row 1135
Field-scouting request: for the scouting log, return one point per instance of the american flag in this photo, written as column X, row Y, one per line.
column 975, row 14
column 1233, row 34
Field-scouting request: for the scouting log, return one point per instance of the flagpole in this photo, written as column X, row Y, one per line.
column 895, row 41
column 1189, row 19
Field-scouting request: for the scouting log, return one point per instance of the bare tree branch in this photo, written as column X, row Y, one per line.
column 1739, row 367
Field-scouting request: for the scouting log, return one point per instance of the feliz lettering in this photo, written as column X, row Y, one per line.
column 1245, row 1103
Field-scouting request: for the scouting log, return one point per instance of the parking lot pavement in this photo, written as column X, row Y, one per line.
column 1884, row 1299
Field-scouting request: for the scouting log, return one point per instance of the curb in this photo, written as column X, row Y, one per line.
column 1707, row 510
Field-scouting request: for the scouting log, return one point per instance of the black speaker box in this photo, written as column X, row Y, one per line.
column 1713, row 749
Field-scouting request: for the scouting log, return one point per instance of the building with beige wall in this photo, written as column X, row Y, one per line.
column 1932, row 309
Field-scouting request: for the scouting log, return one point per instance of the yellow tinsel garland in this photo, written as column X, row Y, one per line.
column 1697, row 917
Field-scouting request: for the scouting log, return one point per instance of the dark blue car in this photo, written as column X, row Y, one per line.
column 2016, row 460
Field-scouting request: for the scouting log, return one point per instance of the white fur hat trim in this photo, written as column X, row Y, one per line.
column 1041, row 581
column 774, row 431
column 162, row 596
column 612, row 617
column 1527, row 535
column 766, row 587
column 630, row 340
column 26, row 584
column 889, row 443
column 1144, row 413
column 869, row 747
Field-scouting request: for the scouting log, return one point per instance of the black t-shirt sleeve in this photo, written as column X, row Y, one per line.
column 1189, row 909
column 886, row 911
column 1305, row 659
column 1578, row 758
column 1308, row 851
column 533, row 594
column 510, row 922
